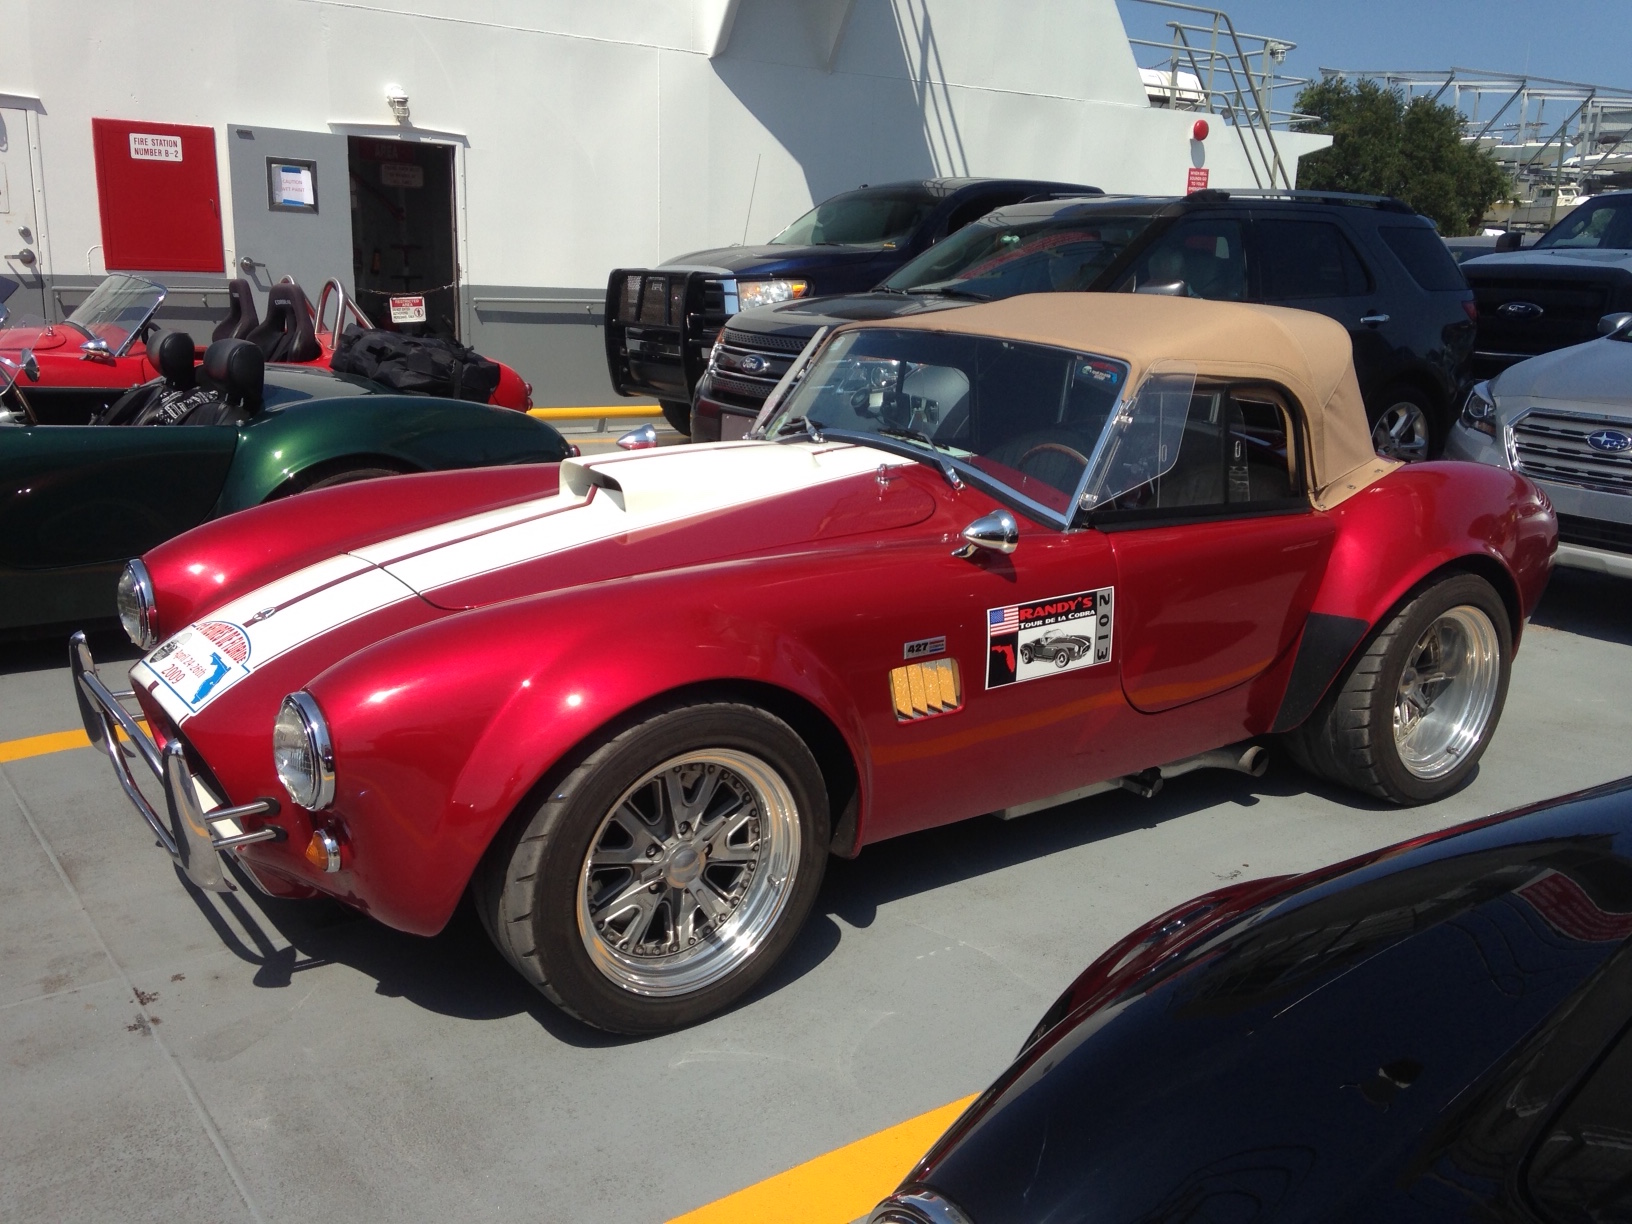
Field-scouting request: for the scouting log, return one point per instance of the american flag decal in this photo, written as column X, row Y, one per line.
column 1003, row 620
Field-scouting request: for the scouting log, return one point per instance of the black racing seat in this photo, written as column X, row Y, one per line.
column 172, row 352
column 286, row 334
column 236, row 371
column 241, row 317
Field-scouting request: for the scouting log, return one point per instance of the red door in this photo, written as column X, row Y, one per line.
column 159, row 196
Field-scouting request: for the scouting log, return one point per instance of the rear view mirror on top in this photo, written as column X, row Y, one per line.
column 1141, row 441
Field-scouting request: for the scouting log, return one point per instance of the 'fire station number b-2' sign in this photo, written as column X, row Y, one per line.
column 1030, row 640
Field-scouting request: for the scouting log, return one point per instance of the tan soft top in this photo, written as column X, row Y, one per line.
column 1307, row 353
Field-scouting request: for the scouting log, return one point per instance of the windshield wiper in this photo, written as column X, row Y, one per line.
column 952, row 291
column 799, row 425
column 935, row 459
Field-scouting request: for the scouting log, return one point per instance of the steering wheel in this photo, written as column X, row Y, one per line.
column 1043, row 448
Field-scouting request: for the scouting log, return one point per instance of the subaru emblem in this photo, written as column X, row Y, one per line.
column 1610, row 441
column 1520, row 310
column 752, row 364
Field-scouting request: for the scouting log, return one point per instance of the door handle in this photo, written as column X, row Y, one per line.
column 1372, row 320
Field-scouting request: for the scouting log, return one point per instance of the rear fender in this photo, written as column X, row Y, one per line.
column 1394, row 534
column 441, row 732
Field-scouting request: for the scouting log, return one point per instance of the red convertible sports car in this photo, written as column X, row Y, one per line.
column 396, row 694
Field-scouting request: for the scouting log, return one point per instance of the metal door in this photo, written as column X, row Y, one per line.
column 19, row 231
column 291, row 208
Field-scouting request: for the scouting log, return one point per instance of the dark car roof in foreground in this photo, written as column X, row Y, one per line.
column 1313, row 1053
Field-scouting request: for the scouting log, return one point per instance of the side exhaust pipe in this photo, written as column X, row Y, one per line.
column 1250, row 759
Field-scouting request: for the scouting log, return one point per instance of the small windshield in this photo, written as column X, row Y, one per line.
column 1025, row 416
column 874, row 216
column 997, row 260
column 1596, row 225
column 117, row 309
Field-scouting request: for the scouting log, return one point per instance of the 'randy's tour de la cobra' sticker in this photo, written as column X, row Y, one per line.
column 1025, row 641
column 200, row 661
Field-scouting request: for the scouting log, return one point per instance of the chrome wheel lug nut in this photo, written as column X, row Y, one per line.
column 651, row 851
column 651, row 888
column 685, row 827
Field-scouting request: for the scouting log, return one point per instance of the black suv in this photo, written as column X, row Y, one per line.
column 1369, row 262
column 661, row 322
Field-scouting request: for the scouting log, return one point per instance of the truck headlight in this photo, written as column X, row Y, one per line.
column 137, row 611
column 303, row 753
column 1479, row 410
column 769, row 292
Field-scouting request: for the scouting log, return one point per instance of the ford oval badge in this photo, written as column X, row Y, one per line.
column 1610, row 441
column 1520, row 310
column 752, row 364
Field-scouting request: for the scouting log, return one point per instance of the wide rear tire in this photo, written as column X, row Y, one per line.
column 1414, row 712
column 660, row 880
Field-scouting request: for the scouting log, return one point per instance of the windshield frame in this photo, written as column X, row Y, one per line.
column 108, row 293
column 906, row 193
column 1072, row 516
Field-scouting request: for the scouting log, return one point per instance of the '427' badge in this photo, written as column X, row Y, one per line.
column 1025, row 641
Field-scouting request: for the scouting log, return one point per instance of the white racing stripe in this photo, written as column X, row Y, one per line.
column 600, row 499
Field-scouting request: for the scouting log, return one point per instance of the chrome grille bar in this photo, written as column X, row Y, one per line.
column 1551, row 444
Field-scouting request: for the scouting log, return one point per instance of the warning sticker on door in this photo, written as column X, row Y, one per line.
column 1025, row 641
column 408, row 310
column 147, row 146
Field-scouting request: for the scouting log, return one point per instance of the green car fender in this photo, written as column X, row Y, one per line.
column 281, row 445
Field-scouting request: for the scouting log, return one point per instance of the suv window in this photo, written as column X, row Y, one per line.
column 975, row 209
column 1205, row 253
column 1599, row 225
column 1307, row 259
column 1425, row 256
column 1034, row 255
column 1582, row 1169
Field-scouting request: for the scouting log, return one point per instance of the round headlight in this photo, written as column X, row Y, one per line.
column 137, row 611
column 302, row 752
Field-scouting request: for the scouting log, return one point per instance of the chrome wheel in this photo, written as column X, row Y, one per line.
column 1401, row 432
column 689, row 872
column 1446, row 692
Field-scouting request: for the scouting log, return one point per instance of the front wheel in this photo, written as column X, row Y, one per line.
column 1405, row 427
column 1416, row 710
column 678, row 416
column 661, row 880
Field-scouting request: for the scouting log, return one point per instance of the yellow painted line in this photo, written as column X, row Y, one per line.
column 839, row 1187
column 589, row 414
column 40, row 745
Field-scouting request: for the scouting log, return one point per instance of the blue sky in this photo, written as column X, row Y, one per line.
column 1576, row 40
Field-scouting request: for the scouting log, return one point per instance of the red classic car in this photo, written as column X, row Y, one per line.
column 825, row 636
column 100, row 350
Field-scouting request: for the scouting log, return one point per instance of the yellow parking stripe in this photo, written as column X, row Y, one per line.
column 40, row 745
column 589, row 414
column 839, row 1187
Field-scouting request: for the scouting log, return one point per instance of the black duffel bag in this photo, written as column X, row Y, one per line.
column 422, row 365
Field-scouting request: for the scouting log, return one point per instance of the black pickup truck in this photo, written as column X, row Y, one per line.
column 1551, row 295
column 661, row 322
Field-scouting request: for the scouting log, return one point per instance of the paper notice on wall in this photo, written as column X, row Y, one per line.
column 401, row 174
column 407, row 310
column 1196, row 180
column 145, row 146
column 295, row 187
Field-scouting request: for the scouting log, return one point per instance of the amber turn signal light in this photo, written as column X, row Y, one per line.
column 920, row 690
column 323, row 851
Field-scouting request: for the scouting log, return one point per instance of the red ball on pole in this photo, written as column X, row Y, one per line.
column 1199, row 131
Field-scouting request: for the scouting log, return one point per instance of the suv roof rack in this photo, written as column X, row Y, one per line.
column 1081, row 193
column 1354, row 199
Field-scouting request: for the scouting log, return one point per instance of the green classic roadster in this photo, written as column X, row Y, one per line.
column 78, row 501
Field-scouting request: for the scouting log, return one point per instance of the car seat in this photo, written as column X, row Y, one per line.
column 237, row 371
column 241, row 317
column 286, row 334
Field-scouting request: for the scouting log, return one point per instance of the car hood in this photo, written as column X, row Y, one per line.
column 38, row 339
column 1597, row 372
column 1543, row 261
column 772, row 260
column 611, row 517
column 804, row 316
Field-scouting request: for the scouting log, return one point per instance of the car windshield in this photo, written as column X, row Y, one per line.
column 997, row 259
column 876, row 216
column 1596, row 225
column 117, row 309
column 1027, row 418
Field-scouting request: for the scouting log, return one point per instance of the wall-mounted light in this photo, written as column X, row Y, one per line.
column 396, row 97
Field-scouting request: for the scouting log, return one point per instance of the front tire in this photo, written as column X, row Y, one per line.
column 663, row 877
column 1406, row 427
column 678, row 416
column 1416, row 710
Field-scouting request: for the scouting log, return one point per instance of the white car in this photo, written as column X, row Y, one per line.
column 1564, row 419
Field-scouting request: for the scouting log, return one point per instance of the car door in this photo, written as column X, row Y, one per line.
column 1308, row 262
column 76, row 502
column 1217, row 561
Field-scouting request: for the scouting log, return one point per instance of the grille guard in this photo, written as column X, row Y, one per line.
column 193, row 835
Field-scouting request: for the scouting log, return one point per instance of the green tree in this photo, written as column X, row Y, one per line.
column 1384, row 145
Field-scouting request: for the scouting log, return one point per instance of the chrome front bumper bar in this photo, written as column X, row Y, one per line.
column 198, row 828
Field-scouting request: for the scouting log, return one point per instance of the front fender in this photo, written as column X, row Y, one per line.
column 419, row 433
column 441, row 731
column 1398, row 531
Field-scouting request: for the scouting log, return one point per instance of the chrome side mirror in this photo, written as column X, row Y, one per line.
column 96, row 350
column 1615, row 323
column 997, row 531
column 30, row 367
column 642, row 437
